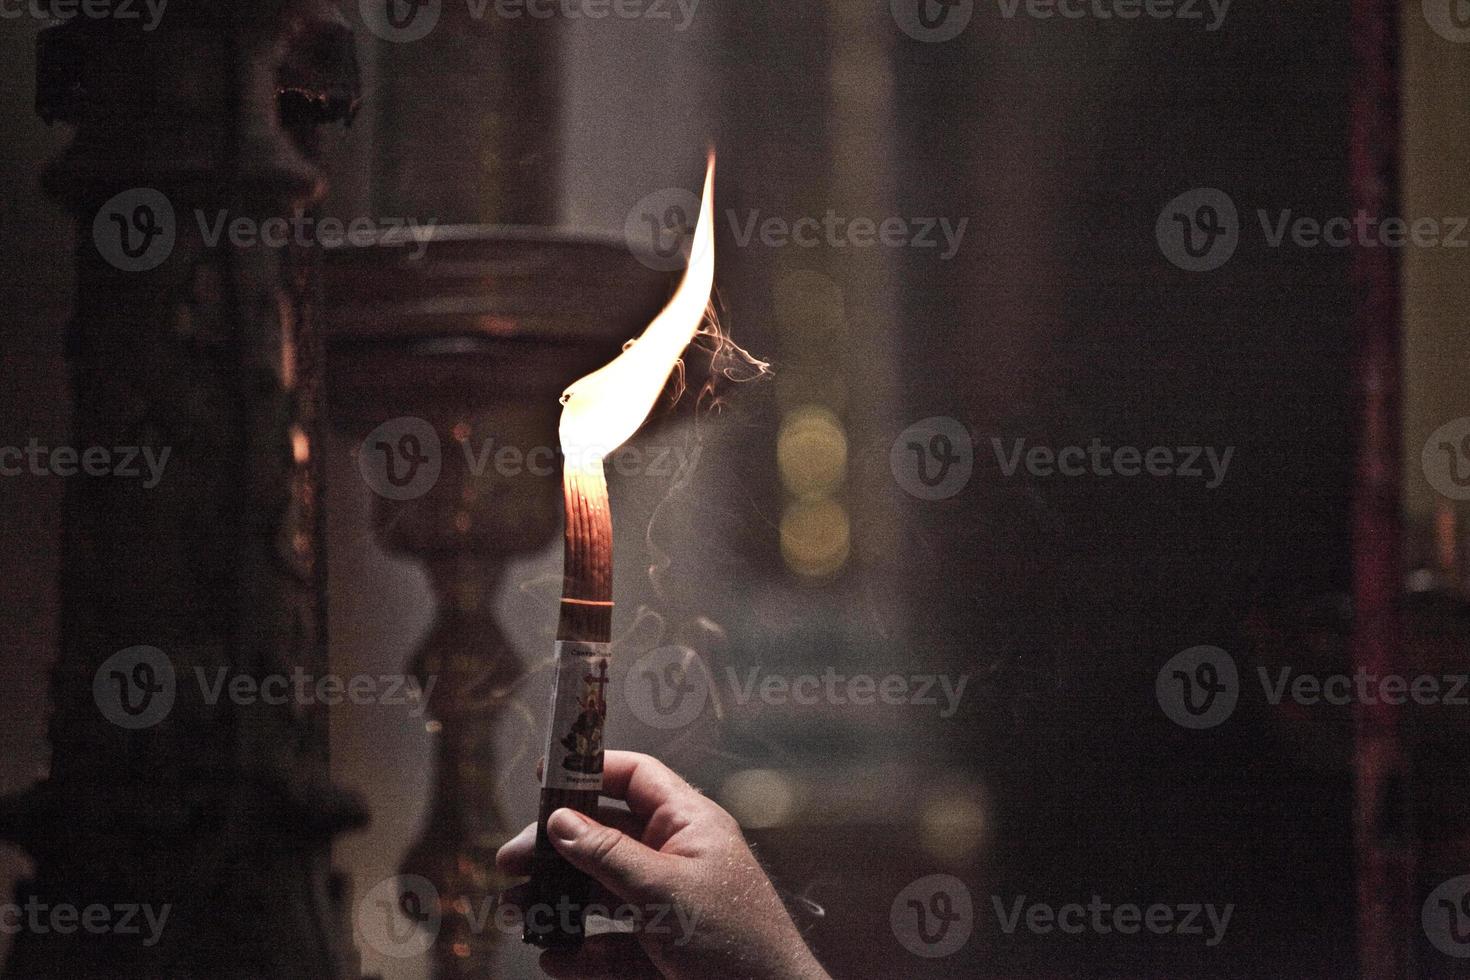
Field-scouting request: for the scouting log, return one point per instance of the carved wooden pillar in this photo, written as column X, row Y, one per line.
column 218, row 809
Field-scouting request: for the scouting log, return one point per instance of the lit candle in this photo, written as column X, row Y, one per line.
column 600, row 412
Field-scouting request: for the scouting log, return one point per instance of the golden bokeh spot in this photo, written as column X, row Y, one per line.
column 815, row 537
column 811, row 449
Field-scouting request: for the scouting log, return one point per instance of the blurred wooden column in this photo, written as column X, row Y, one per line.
column 1387, row 913
column 218, row 809
column 468, row 112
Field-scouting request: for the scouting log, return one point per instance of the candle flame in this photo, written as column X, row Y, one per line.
column 603, row 410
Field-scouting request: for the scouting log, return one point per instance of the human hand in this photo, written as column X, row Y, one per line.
column 676, row 865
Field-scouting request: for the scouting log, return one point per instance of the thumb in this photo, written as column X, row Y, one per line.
column 624, row 866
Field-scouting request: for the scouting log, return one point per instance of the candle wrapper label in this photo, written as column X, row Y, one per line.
column 578, row 711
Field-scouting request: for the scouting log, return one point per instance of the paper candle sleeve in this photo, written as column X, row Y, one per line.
column 578, row 711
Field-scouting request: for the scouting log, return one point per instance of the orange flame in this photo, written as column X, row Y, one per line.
column 603, row 410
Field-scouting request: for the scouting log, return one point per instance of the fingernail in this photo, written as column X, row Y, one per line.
column 566, row 825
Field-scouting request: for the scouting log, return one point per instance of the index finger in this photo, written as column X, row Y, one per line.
column 643, row 782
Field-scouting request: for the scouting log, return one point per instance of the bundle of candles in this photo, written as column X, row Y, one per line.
column 600, row 412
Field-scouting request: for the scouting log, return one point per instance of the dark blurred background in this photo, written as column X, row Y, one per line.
column 802, row 545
